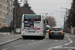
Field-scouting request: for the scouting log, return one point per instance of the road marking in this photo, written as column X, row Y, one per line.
column 58, row 46
column 69, row 42
column 55, row 47
column 69, row 49
column 32, row 43
column 41, row 41
column 32, row 40
column 6, row 48
column 56, row 40
column 19, row 45
column 62, row 44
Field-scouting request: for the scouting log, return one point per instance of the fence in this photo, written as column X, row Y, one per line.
column 4, row 29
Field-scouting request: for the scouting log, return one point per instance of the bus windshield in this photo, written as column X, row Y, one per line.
column 29, row 17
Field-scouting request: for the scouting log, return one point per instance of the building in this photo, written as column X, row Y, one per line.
column 6, row 12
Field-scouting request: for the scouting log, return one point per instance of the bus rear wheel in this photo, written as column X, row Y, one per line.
column 50, row 37
column 43, row 37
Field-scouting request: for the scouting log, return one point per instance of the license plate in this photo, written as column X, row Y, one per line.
column 31, row 31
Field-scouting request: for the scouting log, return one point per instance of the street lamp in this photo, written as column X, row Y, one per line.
column 64, row 22
column 46, row 14
column 65, row 19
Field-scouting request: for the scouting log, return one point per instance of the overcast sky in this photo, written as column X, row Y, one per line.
column 52, row 7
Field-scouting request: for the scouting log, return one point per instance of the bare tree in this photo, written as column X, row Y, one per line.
column 51, row 21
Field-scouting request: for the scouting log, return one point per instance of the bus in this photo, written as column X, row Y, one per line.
column 33, row 25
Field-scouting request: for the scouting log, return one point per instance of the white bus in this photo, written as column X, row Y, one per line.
column 33, row 25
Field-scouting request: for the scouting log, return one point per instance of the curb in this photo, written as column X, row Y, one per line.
column 9, row 41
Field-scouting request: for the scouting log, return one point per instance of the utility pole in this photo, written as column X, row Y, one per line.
column 65, row 19
column 14, row 16
column 64, row 23
column 16, row 5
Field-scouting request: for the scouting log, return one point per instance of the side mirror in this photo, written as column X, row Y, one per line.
column 44, row 21
column 47, row 21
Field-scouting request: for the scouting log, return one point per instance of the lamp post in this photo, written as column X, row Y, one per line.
column 64, row 22
column 65, row 19
column 44, row 14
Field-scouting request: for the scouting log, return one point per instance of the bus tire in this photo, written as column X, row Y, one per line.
column 50, row 37
column 62, row 37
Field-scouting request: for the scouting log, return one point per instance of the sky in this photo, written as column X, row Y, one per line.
column 52, row 7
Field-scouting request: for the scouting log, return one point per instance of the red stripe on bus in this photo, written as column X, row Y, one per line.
column 38, row 28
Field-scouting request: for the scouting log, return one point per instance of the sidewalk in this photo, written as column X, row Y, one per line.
column 69, row 35
column 9, row 38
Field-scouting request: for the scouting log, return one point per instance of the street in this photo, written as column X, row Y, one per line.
column 45, row 18
column 68, row 43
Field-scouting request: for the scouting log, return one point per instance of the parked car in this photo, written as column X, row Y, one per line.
column 18, row 30
column 56, row 32
column 48, row 28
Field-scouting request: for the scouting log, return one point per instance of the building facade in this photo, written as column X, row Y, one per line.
column 6, row 12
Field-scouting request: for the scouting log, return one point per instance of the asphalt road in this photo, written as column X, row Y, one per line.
column 68, row 43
